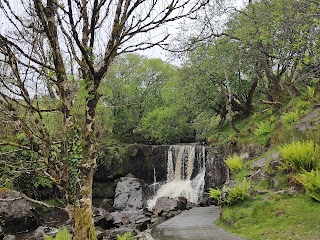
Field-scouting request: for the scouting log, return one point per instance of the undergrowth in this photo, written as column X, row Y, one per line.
column 285, row 203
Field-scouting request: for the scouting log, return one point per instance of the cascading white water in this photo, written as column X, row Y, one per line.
column 179, row 175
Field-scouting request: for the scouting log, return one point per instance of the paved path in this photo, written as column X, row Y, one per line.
column 195, row 224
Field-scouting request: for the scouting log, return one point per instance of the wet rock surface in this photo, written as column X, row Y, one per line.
column 129, row 194
column 167, row 206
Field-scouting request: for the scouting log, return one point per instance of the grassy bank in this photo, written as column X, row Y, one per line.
column 274, row 216
column 278, row 205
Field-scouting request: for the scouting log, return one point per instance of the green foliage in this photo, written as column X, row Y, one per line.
column 273, row 217
column 310, row 93
column 126, row 236
column 235, row 163
column 289, row 118
column 234, row 195
column 134, row 87
column 62, row 234
column 300, row 155
column 265, row 131
column 300, row 106
column 238, row 194
column 311, row 182
column 215, row 194
column 74, row 158
column 165, row 125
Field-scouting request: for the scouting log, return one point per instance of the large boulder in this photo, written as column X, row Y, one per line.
column 129, row 217
column 16, row 213
column 41, row 231
column 216, row 170
column 165, row 205
column 130, row 194
column 102, row 218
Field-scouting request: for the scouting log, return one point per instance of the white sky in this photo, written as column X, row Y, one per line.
column 156, row 52
column 173, row 29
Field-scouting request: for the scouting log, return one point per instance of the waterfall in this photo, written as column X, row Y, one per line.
column 185, row 174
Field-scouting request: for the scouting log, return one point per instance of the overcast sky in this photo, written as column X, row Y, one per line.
column 156, row 52
column 173, row 29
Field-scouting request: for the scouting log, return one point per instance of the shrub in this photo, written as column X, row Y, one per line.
column 311, row 182
column 234, row 163
column 238, row 194
column 126, row 236
column 232, row 195
column 62, row 234
column 310, row 93
column 215, row 194
column 300, row 156
column 265, row 131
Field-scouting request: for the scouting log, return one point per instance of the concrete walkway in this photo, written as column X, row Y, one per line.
column 195, row 224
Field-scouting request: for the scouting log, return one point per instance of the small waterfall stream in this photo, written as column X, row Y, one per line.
column 185, row 174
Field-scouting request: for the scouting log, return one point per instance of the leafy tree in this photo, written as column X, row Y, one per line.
column 223, row 85
column 280, row 35
column 53, row 47
column 136, row 88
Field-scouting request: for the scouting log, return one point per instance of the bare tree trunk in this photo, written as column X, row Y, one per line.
column 84, row 224
column 249, row 99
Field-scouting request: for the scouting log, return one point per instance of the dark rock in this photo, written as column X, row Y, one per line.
column 100, row 233
column 262, row 162
column 9, row 237
column 257, row 176
column 216, row 170
column 103, row 190
column 127, row 217
column 16, row 213
column 259, row 164
column 112, row 234
column 164, row 205
column 145, row 235
column 140, row 160
column 129, row 194
column 102, row 218
column 310, row 121
column 1, row 234
column 49, row 231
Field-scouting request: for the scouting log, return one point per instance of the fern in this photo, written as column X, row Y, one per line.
column 311, row 182
column 126, row 236
column 265, row 131
column 62, row 234
column 289, row 118
column 238, row 194
column 300, row 156
column 310, row 92
column 235, row 163
column 215, row 194
column 234, row 195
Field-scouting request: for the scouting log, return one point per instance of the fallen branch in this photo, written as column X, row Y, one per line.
column 23, row 196
column 271, row 103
